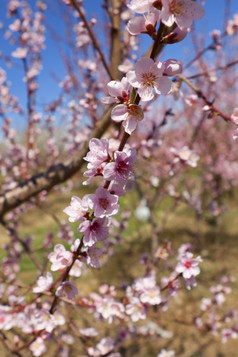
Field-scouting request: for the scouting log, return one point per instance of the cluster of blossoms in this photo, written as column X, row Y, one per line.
column 114, row 165
column 234, row 119
column 180, row 12
column 30, row 318
column 232, row 26
column 185, row 155
column 145, row 292
column 148, row 75
column 187, row 265
column 211, row 318
column 31, row 29
column 95, row 211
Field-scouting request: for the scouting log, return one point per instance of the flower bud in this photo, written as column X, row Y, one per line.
column 172, row 67
column 175, row 36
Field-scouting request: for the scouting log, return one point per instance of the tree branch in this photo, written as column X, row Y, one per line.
column 93, row 38
column 116, row 52
column 55, row 175
column 201, row 95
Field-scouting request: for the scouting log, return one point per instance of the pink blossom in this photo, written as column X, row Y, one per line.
column 98, row 152
column 117, row 189
column 109, row 309
column 148, row 75
column 32, row 72
column 93, row 255
column 43, row 283
column 190, row 283
column 76, row 269
column 13, row 5
column 136, row 309
column 191, row 100
column 88, row 332
column 227, row 333
column 93, row 231
column 106, row 345
column 172, row 67
column 97, row 155
column 165, row 353
column 120, row 169
column 232, row 25
column 20, row 52
column 77, row 209
column 125, row 66
column 59, row 318
column 42, row 320
column 215, row 34
column 75, row 245
column 140, row 6
column 185, row 155
column 175, row 36
column 129, row 114
column 144, row 24
column 219, row 299
column 119, row 92
column 38, row 347
column 234, row 116
column 146, row 283
column 60, row 258
column 188, row 266
column 182, row 12
column 6, row 318
column 15, row 26
column 151, row 296
column 103, row 203
column 183, row 249
column 235, row 135
column 67, row 290
column 147, row 290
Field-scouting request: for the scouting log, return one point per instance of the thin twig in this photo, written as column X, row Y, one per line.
column 201, row 95
column 93, row 38
column 221, row 68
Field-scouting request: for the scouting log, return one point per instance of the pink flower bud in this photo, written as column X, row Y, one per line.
column 172, row 67
column 175, row 36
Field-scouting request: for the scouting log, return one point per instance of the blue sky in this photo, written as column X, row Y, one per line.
column 52, row 62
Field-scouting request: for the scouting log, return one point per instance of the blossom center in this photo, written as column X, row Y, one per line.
column 124, row 98
column 122, row 168
column 135, row 111
column 152, row 294
column 103, row 203
column 94, row 227
column 188, row 265
column 148, row 79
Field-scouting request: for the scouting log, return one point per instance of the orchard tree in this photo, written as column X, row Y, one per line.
column 163, row 128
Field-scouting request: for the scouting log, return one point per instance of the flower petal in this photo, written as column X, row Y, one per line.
column 163, row 85
column 119, row 113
